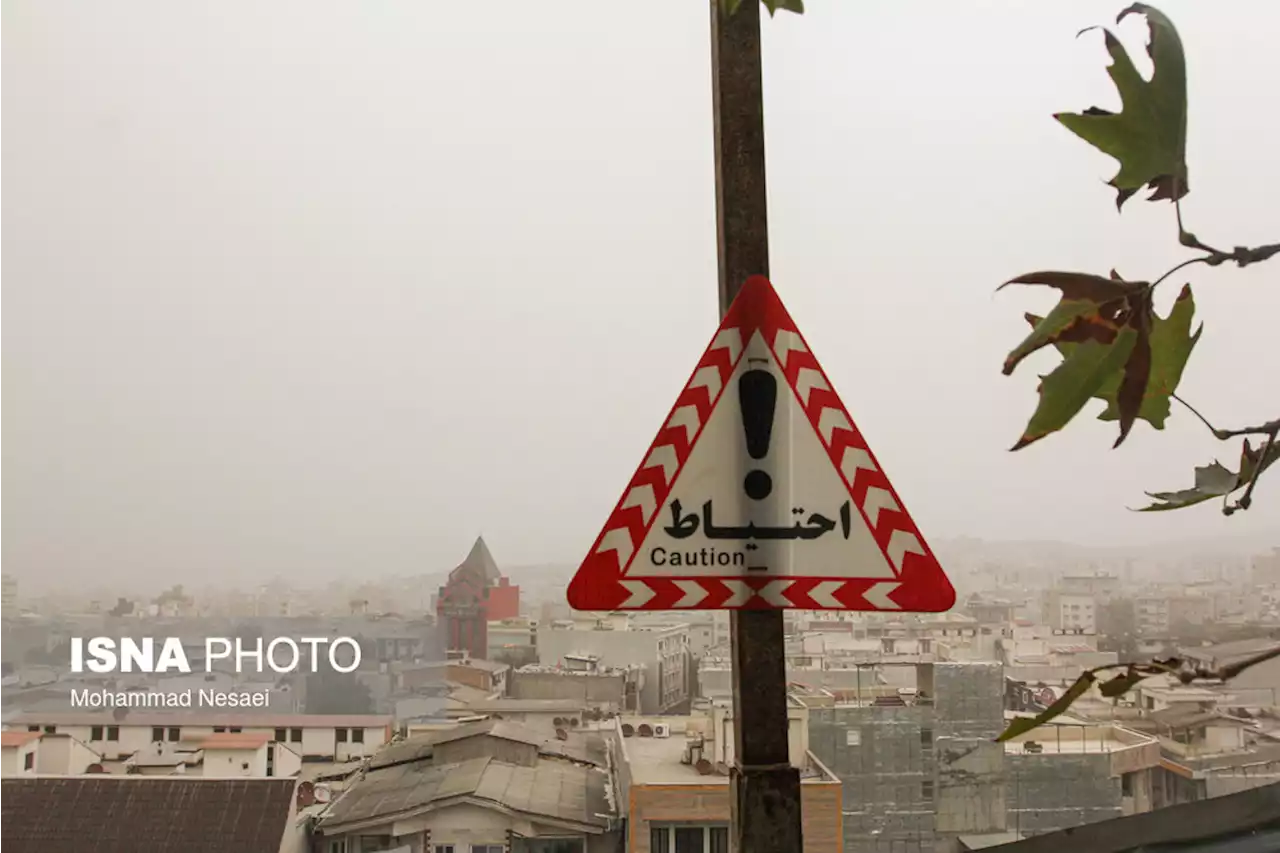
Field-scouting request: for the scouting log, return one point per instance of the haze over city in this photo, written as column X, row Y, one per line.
column 320, row 288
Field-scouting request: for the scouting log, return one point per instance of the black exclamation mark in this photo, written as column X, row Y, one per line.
column 758, row 397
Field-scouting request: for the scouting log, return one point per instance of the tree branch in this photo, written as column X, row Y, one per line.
column 1133, row 674
column 1269, row 429
column 1246, row 500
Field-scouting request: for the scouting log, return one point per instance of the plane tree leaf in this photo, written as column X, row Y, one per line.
column 1215, row 480
column 1022, row 725
column 1102, row 326
column 1148, row 137
column 1171, row 344
column 1122, row 683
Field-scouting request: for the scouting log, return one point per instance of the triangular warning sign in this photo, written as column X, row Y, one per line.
column 759, row 492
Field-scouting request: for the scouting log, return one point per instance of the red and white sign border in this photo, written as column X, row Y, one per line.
column 601, row 582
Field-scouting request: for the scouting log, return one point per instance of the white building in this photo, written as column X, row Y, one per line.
column 613, row 640
column 312, row 736
column 18, row 753
column 1067, row 611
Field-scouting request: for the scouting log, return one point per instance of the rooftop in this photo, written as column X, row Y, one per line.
column 1073, row 739
column 559, row 790
column 660, row 760
column 12, row 740
column 125, row 814
column 162, row 718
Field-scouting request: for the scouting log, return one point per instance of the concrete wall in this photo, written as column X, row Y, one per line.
column 13, row 760
column 625, row 648
column 62, row 755
column 918, row 775
column 1048, row 792
column 224, row 763
column 592, row 690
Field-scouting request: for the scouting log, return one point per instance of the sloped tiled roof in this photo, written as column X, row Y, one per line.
column 552, row 789
column 128, row 814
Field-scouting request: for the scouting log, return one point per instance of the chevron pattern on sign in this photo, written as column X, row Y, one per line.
column 649, row 487
column 603, row 583
column 871, row 490
column 733, row 593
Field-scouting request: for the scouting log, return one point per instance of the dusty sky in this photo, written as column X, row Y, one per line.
column 313, row 287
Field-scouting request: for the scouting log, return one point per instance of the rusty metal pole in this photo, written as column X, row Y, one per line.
column 764, row 787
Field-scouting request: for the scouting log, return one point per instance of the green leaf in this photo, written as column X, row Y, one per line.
column 1149, row 135
column 1215, row 480
column 1109, row 322
column 1021, row 725
column 1171, row 346
column 773, row 6
column 1064, row 392
column 1092, row 308
column 1122, row 683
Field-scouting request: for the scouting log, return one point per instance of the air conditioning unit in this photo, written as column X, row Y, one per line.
column 661, row 730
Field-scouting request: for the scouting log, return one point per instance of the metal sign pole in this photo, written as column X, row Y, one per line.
column 764, row 787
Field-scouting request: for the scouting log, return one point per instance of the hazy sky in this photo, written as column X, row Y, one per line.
column 315, row 288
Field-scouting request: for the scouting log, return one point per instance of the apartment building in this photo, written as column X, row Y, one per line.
column 1063, row 775
column 613, row 640
column 488, row 787
column 312, row 736
column 1064, row 610
column 673, row 773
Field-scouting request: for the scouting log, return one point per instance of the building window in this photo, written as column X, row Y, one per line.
column 95, row 733
column 295, row 735
column 219, row 729
column 29, row 761
column 175, row 735
column 926, row 791
column 487, row 848
column 281, row 736
column 113, row 733
column 444, row 848
column 1126, row 784
column 707, row 838
column 33, row 728
column 338, row 846
column 51, row 730
column 340, row 735
column 157, row 734
column 236, row 729
column 554, row 845
column 357, row 736
column 926, row 738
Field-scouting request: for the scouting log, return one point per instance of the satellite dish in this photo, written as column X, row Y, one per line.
column 628, row 730
column 645, row 730
column 704, row 767
column 561, row 734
